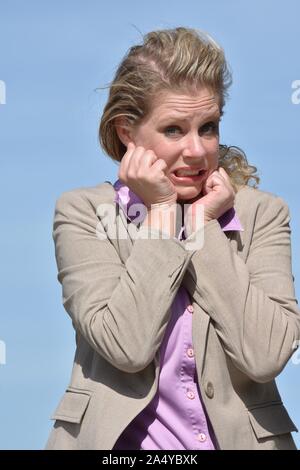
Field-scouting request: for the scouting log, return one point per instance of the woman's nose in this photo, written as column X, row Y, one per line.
column 193, row 147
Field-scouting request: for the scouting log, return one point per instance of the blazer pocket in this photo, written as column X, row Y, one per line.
column 270, row 420
column 72, row 406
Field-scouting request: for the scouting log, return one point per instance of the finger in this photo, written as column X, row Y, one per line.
column 227, row 178
column 146, row 163
column 159, row 166
column 215, row 178
column 223, row 173
column 131, row 162
column 135, row 160
column 218, row 177
column 126, row 158
column 216, row 173
column 130, row 145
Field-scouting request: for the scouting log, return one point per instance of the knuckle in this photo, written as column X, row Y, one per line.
column 131, row 174
column 140, row 173
column 151, row 154
column 162, row 163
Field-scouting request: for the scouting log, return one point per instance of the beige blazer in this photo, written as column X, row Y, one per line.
column 118, row 292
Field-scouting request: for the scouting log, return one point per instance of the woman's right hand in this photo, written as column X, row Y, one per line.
column 144, row 174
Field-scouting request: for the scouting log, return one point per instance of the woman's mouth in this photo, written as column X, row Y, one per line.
column 186, row 179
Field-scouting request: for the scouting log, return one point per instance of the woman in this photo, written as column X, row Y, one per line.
column 177, row 277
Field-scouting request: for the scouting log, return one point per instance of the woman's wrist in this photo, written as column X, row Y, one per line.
column 162, row 217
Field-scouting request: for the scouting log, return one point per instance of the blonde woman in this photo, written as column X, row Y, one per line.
column 177, row 277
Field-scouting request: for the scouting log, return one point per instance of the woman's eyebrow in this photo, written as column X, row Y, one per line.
column 216, row 115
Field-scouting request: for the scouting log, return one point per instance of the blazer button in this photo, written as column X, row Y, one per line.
column 209, row 390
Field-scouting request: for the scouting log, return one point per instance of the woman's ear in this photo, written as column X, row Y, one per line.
column 123, row 130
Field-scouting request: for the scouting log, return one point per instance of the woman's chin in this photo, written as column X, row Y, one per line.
column 189, row 199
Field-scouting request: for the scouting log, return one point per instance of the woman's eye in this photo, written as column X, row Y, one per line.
column 170, row 129
column 210, row 127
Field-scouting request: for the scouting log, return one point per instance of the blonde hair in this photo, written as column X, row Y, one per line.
column 176, row 60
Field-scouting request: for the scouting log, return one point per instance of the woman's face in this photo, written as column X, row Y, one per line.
column 183, row 130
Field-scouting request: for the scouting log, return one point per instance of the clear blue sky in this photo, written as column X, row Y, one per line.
column 53, row 55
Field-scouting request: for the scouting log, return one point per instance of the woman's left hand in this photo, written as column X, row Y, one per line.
column 218, row 197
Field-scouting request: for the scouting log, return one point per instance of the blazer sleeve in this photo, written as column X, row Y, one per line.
column 252, row 304
column 122, row 310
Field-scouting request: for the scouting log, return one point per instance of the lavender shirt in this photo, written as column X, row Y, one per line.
column 176, row 418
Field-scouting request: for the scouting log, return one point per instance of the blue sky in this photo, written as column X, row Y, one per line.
column 53, row 55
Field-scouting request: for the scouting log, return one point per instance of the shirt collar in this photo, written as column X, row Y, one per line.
column 125, row 198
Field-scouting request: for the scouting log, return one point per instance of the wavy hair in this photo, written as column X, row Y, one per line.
column 176, row 60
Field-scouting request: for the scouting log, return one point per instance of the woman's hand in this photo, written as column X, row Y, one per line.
column 144, row 174
column 218, row 197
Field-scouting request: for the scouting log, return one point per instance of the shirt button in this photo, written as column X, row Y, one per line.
column 209, row 390
column 201, row 437
column 190, row 308
column 191, row 394
column 190, row 352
